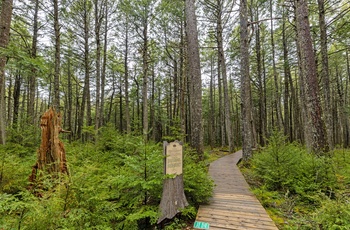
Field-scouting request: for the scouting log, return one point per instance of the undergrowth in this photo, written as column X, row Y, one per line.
column 301, row 190
column 114, row 184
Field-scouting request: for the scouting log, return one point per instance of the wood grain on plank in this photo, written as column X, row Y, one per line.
column 233, row 205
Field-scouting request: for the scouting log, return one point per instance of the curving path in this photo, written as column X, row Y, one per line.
column 233, row 205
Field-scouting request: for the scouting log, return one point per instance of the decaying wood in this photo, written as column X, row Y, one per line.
column 173, row 198
column 51, row 156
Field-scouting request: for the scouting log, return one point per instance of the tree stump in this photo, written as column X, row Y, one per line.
column 51, row 156
column 173, row 198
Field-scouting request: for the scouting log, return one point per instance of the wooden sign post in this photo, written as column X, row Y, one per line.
column 173, row 198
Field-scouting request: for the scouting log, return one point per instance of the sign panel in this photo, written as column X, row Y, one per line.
column 173, row 158
column 200, row 225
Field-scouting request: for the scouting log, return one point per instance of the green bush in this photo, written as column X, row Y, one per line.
column 289, row 167
column 333, row 215
column 198, row 186
column 115, row 184
column 299, row 189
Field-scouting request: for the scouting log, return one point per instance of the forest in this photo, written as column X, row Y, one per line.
column 270, row 77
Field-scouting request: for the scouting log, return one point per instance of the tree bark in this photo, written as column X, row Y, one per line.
column 126, row 77
column 325, row 74
column 287, row 75
column 56, row 90
column 16, row 96
column 195, row 78
column 222, row 61
column 145, row 80
column 98, row 23
column 85, row 101
column 5, row 23
column 342, row 110
column 32, row 78
column 261, row 85
column 104, row 65
column 70, row 98
column 315, row 123
column 277, row 96
column 247, row 131
column 51, row 157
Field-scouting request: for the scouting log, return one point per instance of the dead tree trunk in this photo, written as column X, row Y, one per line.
column 51, row 157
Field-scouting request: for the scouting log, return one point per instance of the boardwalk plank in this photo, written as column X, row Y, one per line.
column 233, row 205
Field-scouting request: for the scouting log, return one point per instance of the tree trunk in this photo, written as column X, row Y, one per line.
column 182, row 83
column 247, row 131
column 51, row 157
column 315, row 123
column 32, row 78
column 221, row 57
column 85, row 101
column 126, row 77
column 145, row 80
column 195, row 78
column 5, row 23
column 211, row 120
column 56, row 91
column 325, row 74
column 277, row 97
column 98, row 22
column 342, row 110
column 16, row 97
column 261, row 83
column 70, row 98
column 9, row 101
column 104, row 65
column 287, row 75
column 221, row 109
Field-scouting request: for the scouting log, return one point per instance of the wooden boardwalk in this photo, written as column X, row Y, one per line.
column 233, row 205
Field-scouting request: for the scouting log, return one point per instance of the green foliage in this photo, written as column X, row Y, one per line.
column 28, row 137
column 15, row 167
column 115, row 184
column 198, row 186
column 301, row 190
column 289, row 167
column 333, row 215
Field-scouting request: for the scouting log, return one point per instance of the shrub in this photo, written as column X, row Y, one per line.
column 333, row 214
column 289, row 167
column 116, row 184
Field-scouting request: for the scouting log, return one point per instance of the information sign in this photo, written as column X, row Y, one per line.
column 173, row 158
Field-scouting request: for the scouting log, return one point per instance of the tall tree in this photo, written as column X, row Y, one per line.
column 325, row 72
column 222, row 64
column 5, row 23
column 104, row 65
column 145, row 75
column 98, row 23
column 32, row 79
column 195, row 78
column 287, row 76
column 56, row 90
column 126, row 75
column 246, row 110
column 315, row 123
column 277, row 97
column 84, row 7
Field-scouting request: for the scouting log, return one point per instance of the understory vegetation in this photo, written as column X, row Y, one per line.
column 114, row 184
column 301, row 190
